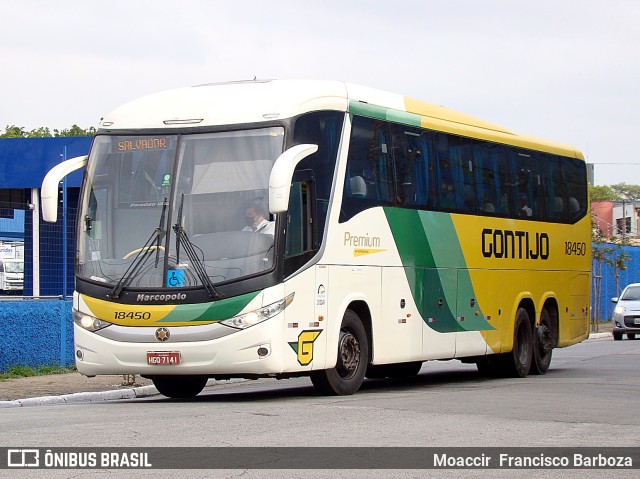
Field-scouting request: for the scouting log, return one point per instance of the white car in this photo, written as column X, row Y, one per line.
column 626, row 314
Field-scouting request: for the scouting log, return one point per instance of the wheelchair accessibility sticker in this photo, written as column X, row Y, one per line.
column 175, row 278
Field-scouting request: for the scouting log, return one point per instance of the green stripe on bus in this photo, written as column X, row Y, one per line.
column 216, row 311
column 387, row 114
column 436, row 270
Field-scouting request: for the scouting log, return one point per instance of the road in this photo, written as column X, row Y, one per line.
column 589, row 398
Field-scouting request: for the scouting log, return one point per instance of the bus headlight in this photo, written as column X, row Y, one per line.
column 88, row 322
column 252, row 318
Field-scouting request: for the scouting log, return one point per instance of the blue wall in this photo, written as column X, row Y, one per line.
column 608, row 281
column 25, row 161
column 35, row 333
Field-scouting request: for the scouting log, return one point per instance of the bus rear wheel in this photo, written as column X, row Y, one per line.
column 179, row 387
column 543, row 343
column 353, row 356
column 517, row 363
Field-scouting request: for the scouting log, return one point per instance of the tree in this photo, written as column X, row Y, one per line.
column 13, row 131
column 627, row 192
column 603, row 193
column 42, row 132
column 75, row 130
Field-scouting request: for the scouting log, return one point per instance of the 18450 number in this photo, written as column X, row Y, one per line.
column 574, row 248
column 135, row 315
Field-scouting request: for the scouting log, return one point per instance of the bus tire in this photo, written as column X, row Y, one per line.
column 353, row 356
column 517, row 363
column 179, row 387
column 543, row 343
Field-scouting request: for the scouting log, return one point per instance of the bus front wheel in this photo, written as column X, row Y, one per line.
column 179, row 387
column 351, row 365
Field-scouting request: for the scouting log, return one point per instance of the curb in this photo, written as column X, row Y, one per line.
column 98, row 396
column 599, row 336
column 131, row 393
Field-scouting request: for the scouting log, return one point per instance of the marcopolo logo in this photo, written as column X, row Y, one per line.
column 143, row 298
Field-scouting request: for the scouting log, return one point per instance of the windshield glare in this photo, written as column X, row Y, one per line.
column 144, row 225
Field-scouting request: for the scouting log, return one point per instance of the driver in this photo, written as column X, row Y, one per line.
column 255, row 217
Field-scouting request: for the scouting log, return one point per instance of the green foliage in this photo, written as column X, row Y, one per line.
column 27, row 371
column 603, row 193
column 627, row 192
column 13, row 131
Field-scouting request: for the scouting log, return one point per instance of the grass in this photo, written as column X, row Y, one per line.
column 14, row 372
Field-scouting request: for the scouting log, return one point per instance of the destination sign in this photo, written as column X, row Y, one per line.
column 143, row 144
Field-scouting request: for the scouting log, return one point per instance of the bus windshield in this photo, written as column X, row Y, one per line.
column 177, row 211
column 13, row 267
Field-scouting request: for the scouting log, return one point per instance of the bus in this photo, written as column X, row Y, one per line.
column 11, row 275
column 399, row 232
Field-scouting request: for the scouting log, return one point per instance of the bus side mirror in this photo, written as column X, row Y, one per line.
column 282, row 173
column 49, row 191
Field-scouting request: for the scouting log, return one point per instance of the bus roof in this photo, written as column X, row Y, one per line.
column 257, row 101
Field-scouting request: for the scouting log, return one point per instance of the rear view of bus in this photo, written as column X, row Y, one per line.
column 226, row 231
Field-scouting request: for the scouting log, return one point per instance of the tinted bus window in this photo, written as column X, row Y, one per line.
column 370, row 175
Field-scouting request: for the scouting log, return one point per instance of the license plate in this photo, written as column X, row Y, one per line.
column 636, row 320
column 164, row 358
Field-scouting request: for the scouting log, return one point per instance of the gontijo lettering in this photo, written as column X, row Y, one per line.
column 514, row 244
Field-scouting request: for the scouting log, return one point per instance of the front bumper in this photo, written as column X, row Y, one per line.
column 234, row 355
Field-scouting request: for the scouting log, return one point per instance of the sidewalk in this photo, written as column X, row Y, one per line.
column 74, row 387
column 71, row 387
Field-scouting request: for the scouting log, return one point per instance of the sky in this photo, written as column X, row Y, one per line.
column 564, row 70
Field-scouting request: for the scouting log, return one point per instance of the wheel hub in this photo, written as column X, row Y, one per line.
column 349, row 355
column 545, row 339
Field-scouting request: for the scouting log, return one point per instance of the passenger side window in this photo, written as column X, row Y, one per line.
column 369, row 180
column 411, row 154
column 391, row 164
column 529, row 193
column 490, row 178
column 455, row 172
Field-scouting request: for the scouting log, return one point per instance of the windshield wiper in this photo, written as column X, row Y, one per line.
column 154, row 242
column 187, row 245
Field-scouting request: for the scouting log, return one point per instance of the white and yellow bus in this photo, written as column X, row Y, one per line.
column 324, row 229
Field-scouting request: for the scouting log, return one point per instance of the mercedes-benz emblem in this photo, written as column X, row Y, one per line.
column 162, row 334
